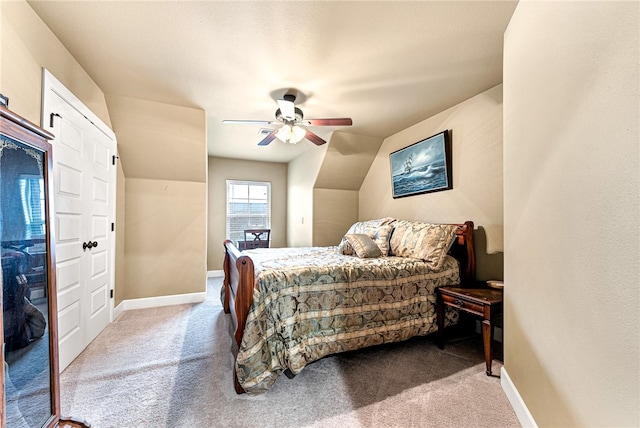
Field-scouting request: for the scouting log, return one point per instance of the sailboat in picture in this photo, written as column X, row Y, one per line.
column 408, row 163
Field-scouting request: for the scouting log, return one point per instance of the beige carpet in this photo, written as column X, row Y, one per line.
column 172, row 366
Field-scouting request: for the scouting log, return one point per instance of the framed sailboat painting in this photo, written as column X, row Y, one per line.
column 422, row 167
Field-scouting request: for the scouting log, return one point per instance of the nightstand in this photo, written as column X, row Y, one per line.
column 484, row 303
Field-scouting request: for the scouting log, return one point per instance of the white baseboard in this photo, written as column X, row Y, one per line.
column 117, row 311
column 522, row 412
column 156, row 302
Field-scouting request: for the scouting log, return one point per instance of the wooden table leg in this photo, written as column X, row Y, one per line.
column 487, row 338
column 440, row 318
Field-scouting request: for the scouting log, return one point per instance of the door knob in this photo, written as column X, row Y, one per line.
column 89, row 245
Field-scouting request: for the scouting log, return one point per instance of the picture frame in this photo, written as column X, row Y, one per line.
column 422, row 167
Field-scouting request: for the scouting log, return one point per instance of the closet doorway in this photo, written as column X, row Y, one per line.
column 84, row 178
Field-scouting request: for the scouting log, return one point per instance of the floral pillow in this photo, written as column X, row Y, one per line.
column 379, row 230
column 362, row 245
column 359, row 226
column 429, row 242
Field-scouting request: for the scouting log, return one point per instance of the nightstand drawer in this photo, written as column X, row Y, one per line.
column 463, row 304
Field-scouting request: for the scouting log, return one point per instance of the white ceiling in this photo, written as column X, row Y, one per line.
column 387, row 65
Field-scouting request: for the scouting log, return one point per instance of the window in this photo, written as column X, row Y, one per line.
column 248, row 207
column 32, row 193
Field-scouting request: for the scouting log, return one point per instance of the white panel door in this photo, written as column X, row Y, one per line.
column 84, row 205
column 69, row 219
column 99, row 151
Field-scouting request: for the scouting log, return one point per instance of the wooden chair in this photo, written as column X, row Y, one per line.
column 256, row 238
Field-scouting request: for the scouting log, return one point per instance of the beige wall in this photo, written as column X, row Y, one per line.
column 346, row 161
column 571, row 143
column 335, row 192
column 476, row 126
column 220, row 170
column 121, row 226
column 333, row 212
column 162, row 150
column 324, row 183
column 26, row 46
column 165, row 247
column 302, row 175
column 158, row 140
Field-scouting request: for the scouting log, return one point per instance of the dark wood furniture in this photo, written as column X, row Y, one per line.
column 255, row 238
column 484, row 303
column 29, row 380
column 239, row 279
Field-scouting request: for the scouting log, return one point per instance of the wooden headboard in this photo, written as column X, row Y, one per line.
column 463, row 250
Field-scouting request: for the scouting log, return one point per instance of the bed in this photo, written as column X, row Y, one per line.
column 292, row 306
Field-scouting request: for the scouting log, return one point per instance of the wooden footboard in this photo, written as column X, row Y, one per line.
column 239, row 280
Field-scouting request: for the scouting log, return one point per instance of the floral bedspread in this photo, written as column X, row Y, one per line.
column 312, row 302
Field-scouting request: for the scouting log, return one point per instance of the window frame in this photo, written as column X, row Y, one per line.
column 233, row 233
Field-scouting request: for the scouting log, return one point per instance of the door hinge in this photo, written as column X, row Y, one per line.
column 113, row 159
column 111, row 293
column 113, row 227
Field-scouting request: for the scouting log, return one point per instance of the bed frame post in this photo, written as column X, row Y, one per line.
column 470, row 269
column 225, row 283
column 239, row 281
column 244, row 293
column 238, row 286
column 243, row 300
column 463, row 250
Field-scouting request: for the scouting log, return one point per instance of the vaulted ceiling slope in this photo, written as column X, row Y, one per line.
column 387, row 65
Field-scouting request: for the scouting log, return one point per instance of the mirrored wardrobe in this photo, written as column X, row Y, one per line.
column 30, row 378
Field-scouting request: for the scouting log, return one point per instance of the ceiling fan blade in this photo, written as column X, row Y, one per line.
column 269, row 138
column 249, row 122
column 314, row 138
column 287, row 109
column 342, row 121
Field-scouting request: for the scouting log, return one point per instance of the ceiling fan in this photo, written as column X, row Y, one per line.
column 292, row 121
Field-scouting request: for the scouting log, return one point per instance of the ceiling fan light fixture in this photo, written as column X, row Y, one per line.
column 289, row 116
column 291, row 134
